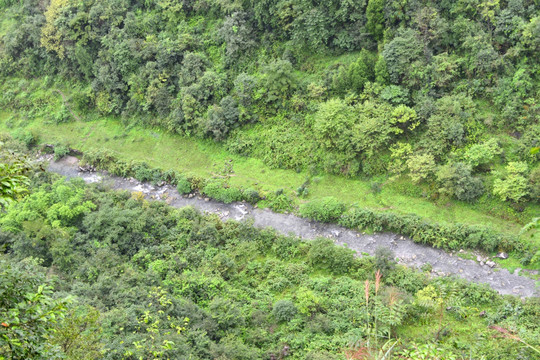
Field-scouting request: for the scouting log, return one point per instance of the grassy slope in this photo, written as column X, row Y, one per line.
column 205, row 158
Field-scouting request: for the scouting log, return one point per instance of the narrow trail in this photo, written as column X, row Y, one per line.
column 408, row 252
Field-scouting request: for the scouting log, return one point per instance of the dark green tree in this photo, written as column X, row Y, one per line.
column 375, row 18
column 28, row 312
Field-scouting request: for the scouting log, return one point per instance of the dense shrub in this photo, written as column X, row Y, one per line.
column 143, row 172
column 230, row 289
column 26, row 137
column 483, row 154
column 223, row 118
column 447, row 236
column 326, row 209
column 356, row 75
column 324, row 254
column 384, row 259
column 183, row 185
column 284, row 310
column 280, row 202
column 251, row 195
column 421, row 167
column 514, row 185
column 456, row 180
column 60, row 151
column 220, row 191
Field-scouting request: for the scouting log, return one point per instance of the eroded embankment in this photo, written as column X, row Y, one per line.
column 408, row 252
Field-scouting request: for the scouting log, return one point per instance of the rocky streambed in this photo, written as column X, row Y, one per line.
column 409, row 253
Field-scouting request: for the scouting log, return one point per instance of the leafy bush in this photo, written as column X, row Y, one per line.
column 395, row 94
column 455, row 180
column 421, row 167
column 455, row 236
column 355, row 76
column 143, row 172
column 251, row 195
column 534, row 183
column 514, row 185
column 482, row 154
column 284, row 310
column 220, row 191
column 324, row 254
column 280, row 202
column 29, row 306
column 384, row 259
column 375, row 18
column 183, row 185
column 60, row 151
column 26, row 137
column 326, row 209
column 62, row 115
column 279, row 81
column 223, row 118
column 333, row 125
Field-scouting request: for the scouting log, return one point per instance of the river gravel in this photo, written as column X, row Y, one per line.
column 406, row 251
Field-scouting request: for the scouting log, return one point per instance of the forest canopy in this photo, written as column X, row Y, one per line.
column 90, row 273
column 419, row 86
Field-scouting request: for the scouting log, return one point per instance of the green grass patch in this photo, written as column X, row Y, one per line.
column 205, row 158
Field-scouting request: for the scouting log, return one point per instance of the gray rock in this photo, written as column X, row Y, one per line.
column 491, row 264
column 502, row 255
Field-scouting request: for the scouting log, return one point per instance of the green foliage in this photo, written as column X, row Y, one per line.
column 27, row 137
column 331, row 85
column 280, row 202
column 221, row 191
column 14, row 180
column 169, row 282
column 183, row 185
column 400, row 53
column 251, row 195
column 514, row 186
column 455, row 179
column 356, row 75
column 29, row 312
column 324, row 254
column 284, row 310
column 327, row 209
column 421, row 167
column 223, row 118
column 395, row 94
column 534, row 183
column 279, row 81
column 384, row 259
column 375, row 18
column 482, row 154
column 447, row 236
column 159, row 333
column 333, row 125
column 61, row 151
column 79, row 333
column 237, row 34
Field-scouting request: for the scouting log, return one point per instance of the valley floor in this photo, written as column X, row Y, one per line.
column 204, row 158
column 409, row 253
